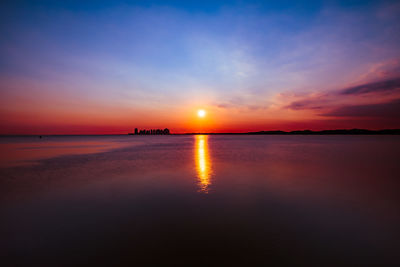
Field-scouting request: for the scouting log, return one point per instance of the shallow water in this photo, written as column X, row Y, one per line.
column 200, row 200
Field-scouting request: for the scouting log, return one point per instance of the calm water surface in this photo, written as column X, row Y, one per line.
column 199, row 200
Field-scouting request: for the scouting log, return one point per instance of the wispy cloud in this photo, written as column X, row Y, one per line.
column 389, row 109
column 375, row 87
column 379, row 99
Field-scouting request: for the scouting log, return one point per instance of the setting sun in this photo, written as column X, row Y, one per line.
column 201, row 113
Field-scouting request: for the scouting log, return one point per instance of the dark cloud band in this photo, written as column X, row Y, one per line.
column 375, row 87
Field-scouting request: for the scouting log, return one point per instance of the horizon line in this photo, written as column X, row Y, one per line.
column 395, row 131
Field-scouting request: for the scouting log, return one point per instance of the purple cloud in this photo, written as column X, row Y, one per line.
column 311, row 103
column 381, row 86
column 386, row 110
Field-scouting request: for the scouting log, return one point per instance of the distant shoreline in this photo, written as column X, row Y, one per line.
column 309, row 132
column 278, row 132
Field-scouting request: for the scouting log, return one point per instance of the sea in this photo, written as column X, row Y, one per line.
column 200, row 200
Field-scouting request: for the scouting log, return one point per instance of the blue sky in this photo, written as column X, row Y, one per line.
column 242, row 60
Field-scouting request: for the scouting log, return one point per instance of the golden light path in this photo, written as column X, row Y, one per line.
column 203, row 163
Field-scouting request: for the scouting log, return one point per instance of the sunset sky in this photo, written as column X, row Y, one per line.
column 106, row 67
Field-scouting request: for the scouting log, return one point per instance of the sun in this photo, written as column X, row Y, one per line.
column 201, row 113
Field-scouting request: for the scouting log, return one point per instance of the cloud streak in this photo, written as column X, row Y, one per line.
column 374, row 87
column 389, row 109
column 379, row 100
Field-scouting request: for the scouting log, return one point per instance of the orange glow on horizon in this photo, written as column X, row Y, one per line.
column 91, row 118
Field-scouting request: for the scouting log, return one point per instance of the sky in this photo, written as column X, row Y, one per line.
column 106, row 67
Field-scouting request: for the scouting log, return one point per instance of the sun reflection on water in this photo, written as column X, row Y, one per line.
column 203, row 163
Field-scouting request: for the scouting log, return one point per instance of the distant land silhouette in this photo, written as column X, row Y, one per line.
column 150, row 132
column 166, row 131
column 323, row 132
